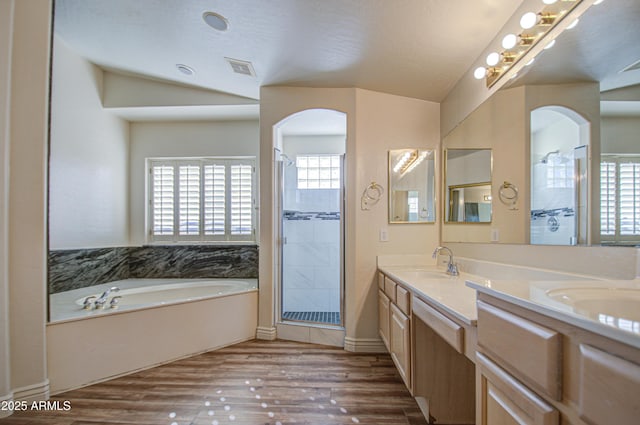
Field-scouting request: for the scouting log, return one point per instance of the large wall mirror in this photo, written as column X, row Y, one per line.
column 468, row 185
column 411, row 186
column 569, row 193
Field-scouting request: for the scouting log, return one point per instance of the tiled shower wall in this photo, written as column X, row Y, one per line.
column 78, row 268
column 311, row 265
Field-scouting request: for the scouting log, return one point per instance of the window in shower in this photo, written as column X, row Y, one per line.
column 203, row 199
column 620, row 198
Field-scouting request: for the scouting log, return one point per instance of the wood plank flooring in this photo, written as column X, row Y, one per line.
column 256, row 382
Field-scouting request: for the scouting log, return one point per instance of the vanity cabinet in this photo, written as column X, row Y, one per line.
column 394, row 324
column 400, row 343
column 429, row 349
column 535, row 369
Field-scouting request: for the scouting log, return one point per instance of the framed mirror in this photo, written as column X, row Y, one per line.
column 468, row 186
column 412, row 186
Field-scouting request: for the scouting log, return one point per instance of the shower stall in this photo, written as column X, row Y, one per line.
column 559, row 171
column 309, row 203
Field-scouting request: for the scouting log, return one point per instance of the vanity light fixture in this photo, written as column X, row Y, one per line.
column 415, row 161
column 409, row 160
column 403, row 161
column 536, row 27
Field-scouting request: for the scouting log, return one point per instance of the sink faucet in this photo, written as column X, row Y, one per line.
column 100, row 302
column 452, row 268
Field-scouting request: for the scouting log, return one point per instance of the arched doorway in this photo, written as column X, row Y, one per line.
column 559, row 176
column 309, row 210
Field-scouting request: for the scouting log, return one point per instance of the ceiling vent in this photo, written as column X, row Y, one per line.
column 633, row 67
column 241, row 67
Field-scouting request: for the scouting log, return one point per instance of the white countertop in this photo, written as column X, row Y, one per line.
column 457, row 296
column 614, row 323
column 447, row 292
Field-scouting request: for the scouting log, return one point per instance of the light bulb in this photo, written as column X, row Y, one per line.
column 493, row 58
column 528, row 20
column 573, row 24
column 509, row 41
column 479, row 73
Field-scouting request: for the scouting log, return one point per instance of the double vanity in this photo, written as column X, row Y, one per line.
column 512, row 345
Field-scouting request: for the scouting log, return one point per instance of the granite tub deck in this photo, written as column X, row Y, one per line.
column 78, row 268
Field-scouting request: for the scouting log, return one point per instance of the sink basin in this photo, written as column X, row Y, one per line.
column 620, row 303
column 426, row 274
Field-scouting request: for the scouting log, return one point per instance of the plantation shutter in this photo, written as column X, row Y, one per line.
column 207, row 199
column 608, row 198
column 241, row 200
column 620, row 198
column 163, row 195
column 629, row 184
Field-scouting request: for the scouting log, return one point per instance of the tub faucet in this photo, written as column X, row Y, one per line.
column 100, row 302
column 452, row 268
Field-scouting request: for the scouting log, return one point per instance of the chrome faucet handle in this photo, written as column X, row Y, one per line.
column 452, row 269
column 114, row 301
column 86, row 304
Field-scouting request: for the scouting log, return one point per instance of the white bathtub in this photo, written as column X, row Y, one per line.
column 156, row 321
column 143, row 293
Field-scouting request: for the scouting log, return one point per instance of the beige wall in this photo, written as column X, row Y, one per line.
column 180, row 139
column 88, row 169
column 6, row 28
column 500, row 124
column 25, row 207
column 376, row 122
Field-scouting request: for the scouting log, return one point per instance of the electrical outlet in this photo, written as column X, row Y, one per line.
column 495, row 235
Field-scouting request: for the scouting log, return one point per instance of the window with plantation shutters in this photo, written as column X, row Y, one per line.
column 620, row 198
column 205, row 199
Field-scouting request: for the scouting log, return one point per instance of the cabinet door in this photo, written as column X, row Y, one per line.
column 503, row 400
column 400, row 340
column 383, row 318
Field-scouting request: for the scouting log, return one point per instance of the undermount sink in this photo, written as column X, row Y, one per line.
column 427, row 274
column 597, row 302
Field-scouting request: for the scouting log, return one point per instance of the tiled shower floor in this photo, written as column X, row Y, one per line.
column 329, row 317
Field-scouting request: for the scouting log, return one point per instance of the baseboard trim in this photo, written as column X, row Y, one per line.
column 35, row 392
column 267, row 334
column 4, row 398
column 364, row 345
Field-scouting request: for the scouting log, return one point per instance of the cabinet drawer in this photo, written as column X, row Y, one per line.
column 531, row 351
column 381, row 281
column 449, row 330
column 390, row 289
column 504, row 400
column 609, row 388
column 402, row 299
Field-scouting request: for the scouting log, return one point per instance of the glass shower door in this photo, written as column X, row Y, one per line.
column 312, row 240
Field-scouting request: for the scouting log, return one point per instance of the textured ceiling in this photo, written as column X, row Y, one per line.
column 415, row 48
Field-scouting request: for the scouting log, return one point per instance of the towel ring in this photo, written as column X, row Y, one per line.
column 371, row 195
column 508, row 194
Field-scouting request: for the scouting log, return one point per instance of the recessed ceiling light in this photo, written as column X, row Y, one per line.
column 216, row 21
column 186, row 70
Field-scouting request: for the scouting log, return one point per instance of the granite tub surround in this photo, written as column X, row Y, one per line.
column 79, row 268
column 193, row 261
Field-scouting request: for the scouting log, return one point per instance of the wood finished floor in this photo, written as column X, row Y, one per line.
column 256, row 382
